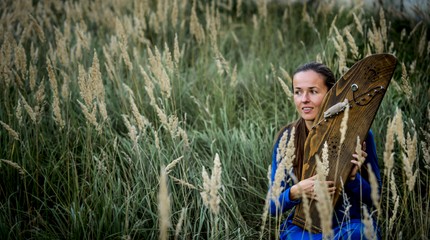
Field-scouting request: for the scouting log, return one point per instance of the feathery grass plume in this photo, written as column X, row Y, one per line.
column 176, row 51
column 286, row 75
column 211, row 186
column 32, row 76
column 18, row 112
column 206, row 188
column 357, row 22
column 174, row 14
column 266, row 203
column 183, row 134
column 359, row 151
column 123, row 44
column 262, row 9
column 409, row 159
column 141, row 121
column 346, row 204
column 344, row 125
column 171, row 165
column 351, row 43
column 285, row 87
column 163, row 205
column 90, row 116
column 196, row 28
column 161, row 14
column 110, row 67
column 383, row 25
column 406, row 87
column 183, row 183
column 422, row 43
column 168, row 58
column 324, row 203
column 341, row 56
column 81, row 40
column 395, row 198
column 212, row 24
column 389, row 146
column 58, row 118
column 61, row 48
column 11, row 132
column 374, row 194
column 132, row 133
column 367, row 220
column 306, row 210
column 426, row 144
column 38, row 29
column 15, row 165
column 21, row 60
column 97, row 85
column 325, row 163
column 65, row 90
column 398, row 129
column 31, row 113
column 285, row 158
column 181, row 219
column 159, row 72
column 375, row 38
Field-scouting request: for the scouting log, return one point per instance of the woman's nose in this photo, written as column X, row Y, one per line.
column 305, row 97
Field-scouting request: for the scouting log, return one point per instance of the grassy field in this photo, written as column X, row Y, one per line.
column 156, row 119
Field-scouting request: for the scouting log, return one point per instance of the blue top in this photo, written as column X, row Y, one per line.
column 352, row 188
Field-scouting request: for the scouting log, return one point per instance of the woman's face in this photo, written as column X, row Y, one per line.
column 309, row 91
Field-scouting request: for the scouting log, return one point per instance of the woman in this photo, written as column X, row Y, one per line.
column 310, row 84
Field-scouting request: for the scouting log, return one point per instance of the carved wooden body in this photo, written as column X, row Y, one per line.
column 364, row 87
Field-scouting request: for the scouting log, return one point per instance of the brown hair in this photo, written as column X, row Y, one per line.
column 300, row 125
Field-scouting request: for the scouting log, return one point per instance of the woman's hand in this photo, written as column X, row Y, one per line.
column 357, row 161
column 307, row 187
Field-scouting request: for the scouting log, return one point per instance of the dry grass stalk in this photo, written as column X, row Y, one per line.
column 11, row 132
column 262, row 9
column 65, row 90
column 409, row 159
column 38, row 29
column 341, row 56
column 32, row 76
column 406, row 87
column 176, row 51
column 344, row 125
column 285, row 87
column 389, row 146
column 183, row 183
column 398, row 129
column 306, row 209
column 29, row 110
column 174, row 14
column 285, row 157
column 395, row 199
column 422, row 43
column 132, row 133
column 141, row 121
column 357, row 21
column 15, row 165
column 383, row 25
column 324, row 202
column 266, row 203
column 171, row 165
column 196, row 28
column 351, row 43
column 374, row 194
column 325, row 168
column 21, row 60
column 163, row 205
column 90, row 116
column 18, row 112
column 369, row 230
column 168, row 59
column 211, row 186
column 58, row 118
column 61, row 48
column 123, row 44
column 412, row 67
column 181, row 219
column 359, row 151
column 287, row 76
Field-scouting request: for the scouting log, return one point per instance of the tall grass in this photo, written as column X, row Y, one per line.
column 97, row 96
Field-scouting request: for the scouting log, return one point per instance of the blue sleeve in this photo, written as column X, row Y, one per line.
column 360, row 185
column 285, row 203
